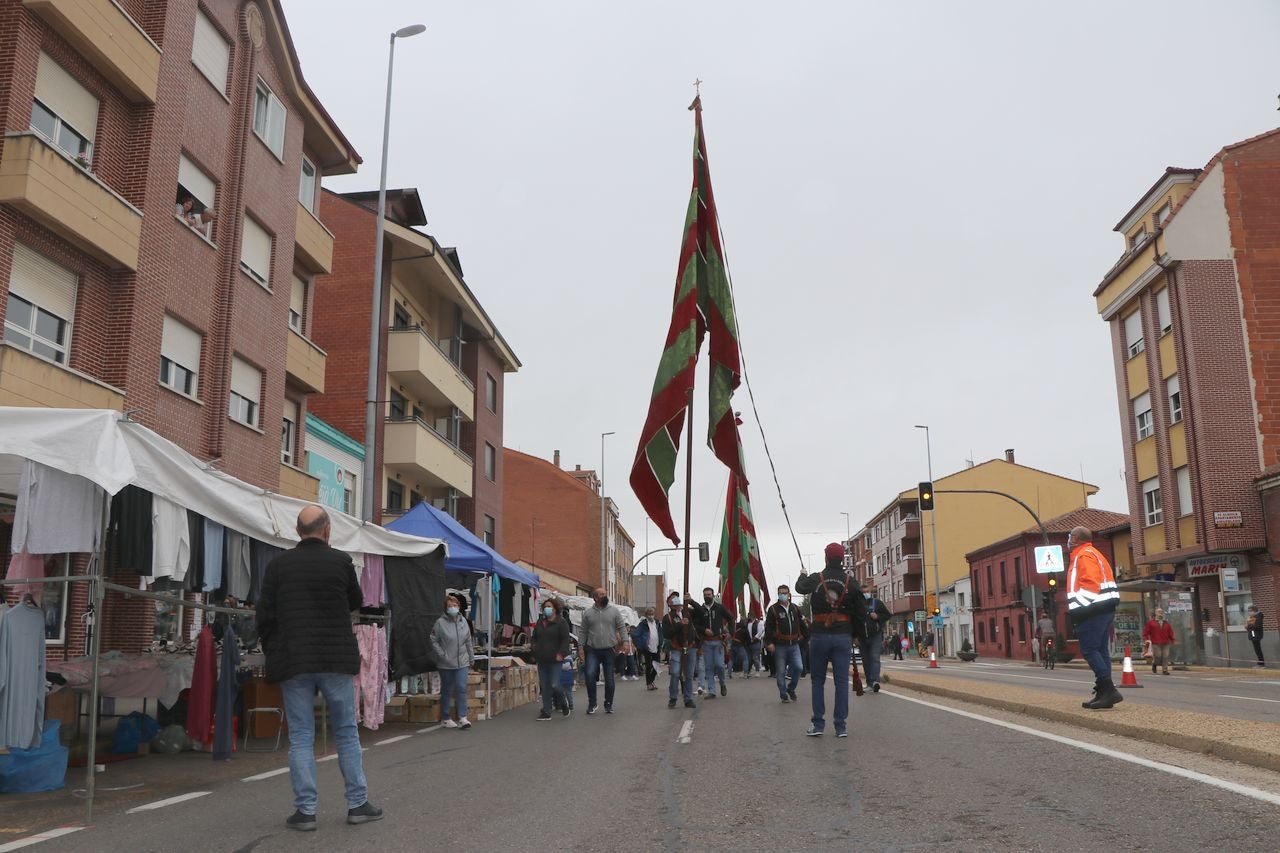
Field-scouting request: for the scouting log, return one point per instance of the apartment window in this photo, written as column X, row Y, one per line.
column 990, row 588
column 53, row 600
column 246, row 388
column 268, row 118
column 1022, row 628
column 1017, row 570
column 399, row 406
column 348, row 492
column 1151, row 501
column 489, row 525
column 977, row 589
column 1162, row 215
column 1142, row 415
column 414, row 498
column 1004, row 583
column 255, row 252
column 1138, row 238
column 1183, row 476
column 982, row 635
column 297, row 304
column 490, row 392
column 400, row 318
column 64, row 112
column 1133, row 334
column 307, row 185
column 210, row 52
column 180, row 357
column 960, row 600
column 490, row 462
column 1163, row 316
column 395, row 496
column 41, row 305
column 289, row 432
column 1174, row 389
column 194, row 201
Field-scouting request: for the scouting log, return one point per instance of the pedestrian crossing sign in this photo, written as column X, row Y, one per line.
column 1048, row 559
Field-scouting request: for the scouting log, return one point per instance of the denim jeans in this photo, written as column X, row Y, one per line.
column 681, row 666
column 787, row 656
column 597, row 658
column 1093, row 634
column 650, row 671
column 754, row 655
column 453, row 681
column 712, row 664
column 871, row 649
column 339, row 691
column 835, row 649
column 741, row 659
column 549, row 685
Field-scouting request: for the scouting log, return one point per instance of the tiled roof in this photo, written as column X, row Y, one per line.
column 1097, row 520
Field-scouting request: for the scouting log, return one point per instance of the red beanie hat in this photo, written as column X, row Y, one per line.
column 835, row 551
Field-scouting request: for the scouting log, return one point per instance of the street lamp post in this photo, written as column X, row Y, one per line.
column 933, row 528
column 375, row 336
column 604, row 561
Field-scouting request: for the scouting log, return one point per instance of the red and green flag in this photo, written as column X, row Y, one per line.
column 741, row 572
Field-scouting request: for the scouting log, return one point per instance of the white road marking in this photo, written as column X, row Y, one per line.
column 36, row 839
column 392, row 740
column 428, row 729
column 686, row 732
column 266, row 775
column 1203, row 778
column 1250, row 698
column 329, row 757
column 159, row 804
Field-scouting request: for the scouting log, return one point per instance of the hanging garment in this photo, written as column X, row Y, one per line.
column 415, row 589
column 372, row 583
column 261, row 554
column 26, row 565
column 171, row 542
column 526, row 618
column 57, row 512
column 237, row 571
column 129, row 532
column 195, row 535
column 22, row 684
column 371, row 683
column 203, row 680
column 213, row 541
column 506, row 602
column 223, row 736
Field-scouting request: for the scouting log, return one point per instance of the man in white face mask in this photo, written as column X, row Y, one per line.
column 784, row 630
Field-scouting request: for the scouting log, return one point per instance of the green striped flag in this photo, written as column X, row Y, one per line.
column 741, row 572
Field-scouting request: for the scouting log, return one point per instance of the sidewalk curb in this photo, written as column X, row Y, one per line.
column 1100, row 722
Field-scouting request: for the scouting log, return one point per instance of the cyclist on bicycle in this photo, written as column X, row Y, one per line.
column 1045, row 631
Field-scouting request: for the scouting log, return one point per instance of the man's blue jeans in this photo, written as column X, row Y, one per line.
column 549, row 685
column 787, row 656
column 453, row 691
column 597, row 658
column 339, row 694
column 712, row 664
column 835, row 649
column 680, row 666
column 741, row 659
column 871, row 648
column 755, row 655
column 1093, row 634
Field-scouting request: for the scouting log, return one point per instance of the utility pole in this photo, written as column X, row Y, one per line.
column 933, row 531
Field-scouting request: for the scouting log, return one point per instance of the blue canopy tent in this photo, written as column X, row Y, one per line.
column 467, row 552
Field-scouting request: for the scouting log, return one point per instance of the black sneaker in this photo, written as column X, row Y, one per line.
column 591, row 710
column 792, row 694
column 671, row 703
column 688, row 703
column 364, row 814
column 875, row 687
column 566, row 711
column 724, row 691
column 608, row 709
column 543, row 715
column 301, row 822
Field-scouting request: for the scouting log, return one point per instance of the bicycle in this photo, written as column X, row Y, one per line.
column 1047, row 656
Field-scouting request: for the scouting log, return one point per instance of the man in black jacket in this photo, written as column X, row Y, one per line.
column 871, row 638
column 713, row 622
column 784, row 632
column 838, row 606
column 304, row 621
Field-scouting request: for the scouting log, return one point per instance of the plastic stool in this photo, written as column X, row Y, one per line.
column 248, row 728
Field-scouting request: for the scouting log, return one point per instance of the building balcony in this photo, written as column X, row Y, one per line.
column 424, row 457
column 911, row 530
column 48, row 186
column 313, row 243
column 907, row 604
column 415, row 361
column 305, row 363
column 109, row 39
column 296, row 483
column 27, row 380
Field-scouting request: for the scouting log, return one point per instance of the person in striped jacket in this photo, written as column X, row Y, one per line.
column 1092, row 597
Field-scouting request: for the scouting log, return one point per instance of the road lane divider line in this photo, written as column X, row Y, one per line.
column 329, row 757
column 47, row 835
column 686, row 732
column 171, row 801
column 428, row 729
column 1172, row 770
column 1250, row 698
column 395, row 739
column 259, row 777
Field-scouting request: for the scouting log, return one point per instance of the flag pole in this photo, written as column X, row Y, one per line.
column 688, row 485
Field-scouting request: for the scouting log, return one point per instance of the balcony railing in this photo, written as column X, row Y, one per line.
column 413, row 445
column 417, row 361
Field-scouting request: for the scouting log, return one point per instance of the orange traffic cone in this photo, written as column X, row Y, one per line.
column 1127, row 677
column 933, row 661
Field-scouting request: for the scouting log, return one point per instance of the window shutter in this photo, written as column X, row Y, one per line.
column 181, row 344
column 291, row 411
column 1133, row 328
column 210, row 52
column 39, row 280
column 246, row 380
column 255, row 250
column 1164, row 317
column 62, row 94
column 1142, row 403
column 1173, row 385
column 298, row 297
column 197, row 182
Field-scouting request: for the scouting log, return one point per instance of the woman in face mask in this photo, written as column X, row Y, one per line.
column 550, row 649
column 454, row 654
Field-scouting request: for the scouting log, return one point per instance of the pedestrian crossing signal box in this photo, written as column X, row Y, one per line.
column 1048, row 559
column 704, row 552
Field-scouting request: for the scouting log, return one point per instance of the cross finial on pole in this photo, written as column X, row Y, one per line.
column 697, row 86
column 697, row 94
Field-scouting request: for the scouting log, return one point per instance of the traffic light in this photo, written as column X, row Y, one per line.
column 937, row 612
column 926, row 496
column 1053, row 582
column 704, row 552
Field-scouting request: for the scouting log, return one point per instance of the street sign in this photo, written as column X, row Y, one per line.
column 920, row 615
column 1230, row 579
column 948, row 610
column 1032, row 597
column 1048, row 559
column 911, row 627
column 937, row 622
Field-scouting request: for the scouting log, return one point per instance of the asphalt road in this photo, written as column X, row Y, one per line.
column 913, row 774
column 1249, row 696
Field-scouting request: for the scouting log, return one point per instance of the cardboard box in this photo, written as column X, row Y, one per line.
column 397, row 710
column 475, row 678
column 424, row 713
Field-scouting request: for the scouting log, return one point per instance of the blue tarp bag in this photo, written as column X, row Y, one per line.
column 29, row 771
column 132, row 731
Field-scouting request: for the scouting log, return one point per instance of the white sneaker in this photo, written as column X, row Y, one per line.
column 450, row 724
column 464, row 723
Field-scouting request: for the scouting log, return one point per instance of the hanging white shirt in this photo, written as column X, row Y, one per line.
column 171, row 540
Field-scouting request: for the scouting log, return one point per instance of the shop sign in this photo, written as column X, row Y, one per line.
column 1204, row 567
column 1228, row 519
column 329, row 473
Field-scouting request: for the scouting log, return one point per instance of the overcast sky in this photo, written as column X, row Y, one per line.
column 917, row 201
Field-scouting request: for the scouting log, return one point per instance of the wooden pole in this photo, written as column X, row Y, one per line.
column 688, row 487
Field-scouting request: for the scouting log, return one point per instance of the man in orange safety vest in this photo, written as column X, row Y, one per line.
column 1092, row 597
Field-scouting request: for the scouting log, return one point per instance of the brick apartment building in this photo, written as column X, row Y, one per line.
column 999, row 572
column 1192, row 304
column 553, row 525
column 444, row 364
column 158, row 178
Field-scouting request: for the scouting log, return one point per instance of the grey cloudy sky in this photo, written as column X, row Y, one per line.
column 917, row 201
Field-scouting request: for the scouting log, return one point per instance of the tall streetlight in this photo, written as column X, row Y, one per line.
column 933, row 527
column 374, row 388
column 604, row 560
column 847, row 536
